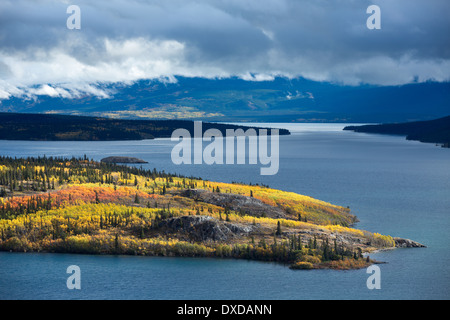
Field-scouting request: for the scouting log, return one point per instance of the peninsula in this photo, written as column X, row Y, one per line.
column 81, row 206
column 56, row 127
column 433, row 131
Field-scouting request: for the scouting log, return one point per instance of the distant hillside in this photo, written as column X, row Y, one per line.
column 434, row 131
column 233, row 99
column 18, row 126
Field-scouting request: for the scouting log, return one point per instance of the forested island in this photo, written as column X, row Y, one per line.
column 82, row 206
column 118, row 159
column 434, row 131
column 56, row 127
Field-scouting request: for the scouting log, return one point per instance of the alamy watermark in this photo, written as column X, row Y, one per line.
column 374, row 281
column 374, row 21
column 74, row 20
column 74, row 280
column 223, row 150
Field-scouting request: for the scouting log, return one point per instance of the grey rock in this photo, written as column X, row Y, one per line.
column 407, row 243
column 205, row 228
column 236, row 202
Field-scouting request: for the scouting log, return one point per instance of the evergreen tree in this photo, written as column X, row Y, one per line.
column 116, row 243
column 278, row 232
column 299, row 241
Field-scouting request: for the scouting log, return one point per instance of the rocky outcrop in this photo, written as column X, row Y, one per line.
column 407, row 243
column 122, row 160
column 236, row 202
column 205, row 228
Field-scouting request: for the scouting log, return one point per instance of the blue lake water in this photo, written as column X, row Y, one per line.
column 394, row 186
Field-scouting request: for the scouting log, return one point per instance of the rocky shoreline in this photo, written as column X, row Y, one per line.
column 407, row 243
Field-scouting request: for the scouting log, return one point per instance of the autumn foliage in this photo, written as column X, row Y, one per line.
column 81, row 206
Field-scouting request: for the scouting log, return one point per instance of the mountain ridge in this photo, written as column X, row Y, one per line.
column 234, row 100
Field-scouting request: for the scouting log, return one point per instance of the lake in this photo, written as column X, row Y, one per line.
column 394, row 186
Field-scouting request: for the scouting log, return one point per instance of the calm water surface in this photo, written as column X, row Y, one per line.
column 394, row 186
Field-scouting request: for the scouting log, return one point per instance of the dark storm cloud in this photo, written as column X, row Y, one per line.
column 128, row 40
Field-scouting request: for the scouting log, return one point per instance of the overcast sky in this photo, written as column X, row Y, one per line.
column 124, row 41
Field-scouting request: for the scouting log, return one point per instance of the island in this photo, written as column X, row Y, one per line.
column 77, row 205
column 116, row 159
column 433, row 131
column 57, row 127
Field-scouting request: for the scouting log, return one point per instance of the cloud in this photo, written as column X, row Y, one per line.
column 256, row 40
column 299, row 95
